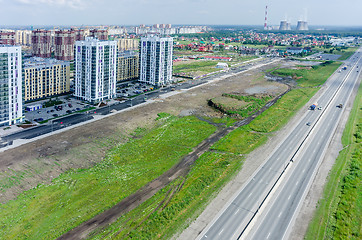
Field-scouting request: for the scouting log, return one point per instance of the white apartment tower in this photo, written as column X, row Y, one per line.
column 95, row 69
column 11, row 102
column 156, row 60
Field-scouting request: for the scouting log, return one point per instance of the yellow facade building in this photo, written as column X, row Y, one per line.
column 127, row 66
column 45, row 78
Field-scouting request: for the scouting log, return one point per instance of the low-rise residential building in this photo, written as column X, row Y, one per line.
column 11, row 100
column 45, row 78
column 127, row 66
column 95, row 69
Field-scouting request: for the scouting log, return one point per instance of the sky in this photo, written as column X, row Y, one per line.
column 184, row 12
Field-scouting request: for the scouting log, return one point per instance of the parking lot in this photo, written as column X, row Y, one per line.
column 68, row 106
column 134, row 89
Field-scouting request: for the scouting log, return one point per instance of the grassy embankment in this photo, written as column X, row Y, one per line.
column 239, row 105
column 172, row 209
column 48, row 211
column 339, row 212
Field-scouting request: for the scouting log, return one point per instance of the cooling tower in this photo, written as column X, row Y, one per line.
column 302, row 26
column 288, row 26
column 283, row 26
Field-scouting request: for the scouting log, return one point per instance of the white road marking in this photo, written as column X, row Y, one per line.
column 249, row 195
column 268, row 236
column 221, row 231
column 297, row 183
column 280, row 214
column 236, row 211
column 289, row 196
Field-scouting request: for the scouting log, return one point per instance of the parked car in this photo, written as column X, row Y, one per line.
column 55, row 115
column 70, row 105
column 69, row 111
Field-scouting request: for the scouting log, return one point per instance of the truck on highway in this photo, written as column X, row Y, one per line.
column 340, row 105
column 313, row 106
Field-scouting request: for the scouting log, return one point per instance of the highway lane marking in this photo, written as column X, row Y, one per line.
column 221, row 231
column 268, row 236
column 289, row 196
column 249, row 195
column 297, row 183
column 236, row 211
column 280, row 214
column 303, row 170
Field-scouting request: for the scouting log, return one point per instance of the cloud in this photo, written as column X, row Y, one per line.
column 76, row 4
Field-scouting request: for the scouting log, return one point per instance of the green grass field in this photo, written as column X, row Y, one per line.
column 48, row 211
column 309, row 78
column 195, row 68
column 339, row 212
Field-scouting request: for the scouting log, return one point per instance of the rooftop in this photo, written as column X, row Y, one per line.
column 42, row 62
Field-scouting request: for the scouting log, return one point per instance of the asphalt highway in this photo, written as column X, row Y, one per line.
column 236, row 216
column 284, row 206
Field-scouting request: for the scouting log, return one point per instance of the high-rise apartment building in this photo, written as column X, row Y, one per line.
column 156, row 60
column 45, row 78
column 41, row 42
column 79, row 34
column 100, row 34
column 7, row 38
column 11, row 102
column 23, row 37
column 95, row 69
column 126, row 44
column 64, row 45
column 127, row 66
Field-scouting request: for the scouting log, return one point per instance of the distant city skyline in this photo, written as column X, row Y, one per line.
column 203, row 12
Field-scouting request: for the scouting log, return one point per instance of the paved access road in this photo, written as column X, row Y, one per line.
column 234, row 218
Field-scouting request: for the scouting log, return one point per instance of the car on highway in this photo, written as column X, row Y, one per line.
column 308, row 123
column 55, row 115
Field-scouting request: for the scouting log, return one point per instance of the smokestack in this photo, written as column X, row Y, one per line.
column 266, row 18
